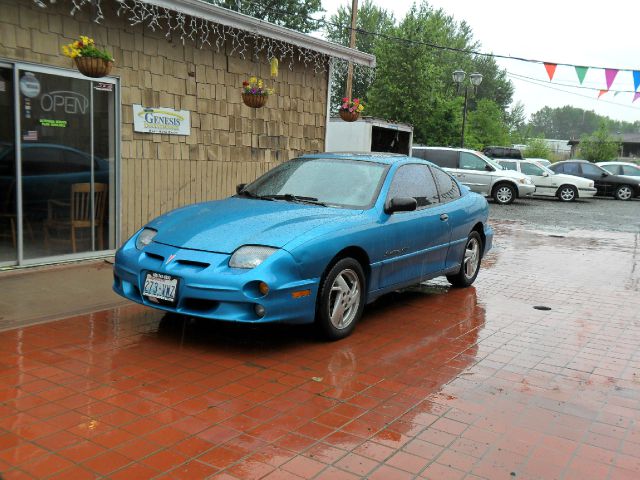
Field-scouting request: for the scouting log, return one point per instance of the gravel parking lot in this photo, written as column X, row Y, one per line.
column 599, row 213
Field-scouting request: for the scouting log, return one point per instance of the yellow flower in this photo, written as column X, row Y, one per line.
column 76, row 44
column 260, row 84
column 84, row 39
column 253, row 80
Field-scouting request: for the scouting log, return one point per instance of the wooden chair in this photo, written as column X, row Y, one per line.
column 69, row 218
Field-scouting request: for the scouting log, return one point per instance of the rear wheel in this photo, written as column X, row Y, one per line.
column 470, row 265
column 504, row 194
column 623, row 192
column 567, row 193
column 341, row 299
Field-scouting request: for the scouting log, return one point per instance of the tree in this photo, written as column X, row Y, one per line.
column 537, row 148
column 486, row 126
column 293, row 14
column 570, row 122
column 600, row 146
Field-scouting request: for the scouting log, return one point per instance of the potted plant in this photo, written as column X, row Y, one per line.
column 254, row 93
column 89, row 60
column 350, row 109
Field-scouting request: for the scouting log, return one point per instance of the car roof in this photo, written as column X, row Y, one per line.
column 575, row 160
column 453, row 149
column 380, row 157
column 618, row 163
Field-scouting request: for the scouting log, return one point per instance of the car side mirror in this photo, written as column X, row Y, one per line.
column 604, row 174
column 489, row 168
column 240, row 187
column 401, row 204
column 545, row 174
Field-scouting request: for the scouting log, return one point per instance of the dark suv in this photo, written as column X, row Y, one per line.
column 502, row 152
column 620, row 188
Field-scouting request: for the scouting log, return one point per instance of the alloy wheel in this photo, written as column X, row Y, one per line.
column 471, row 257
column 567, row 194
column 344, row 298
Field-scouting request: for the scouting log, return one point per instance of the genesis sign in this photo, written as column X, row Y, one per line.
column 161, row 120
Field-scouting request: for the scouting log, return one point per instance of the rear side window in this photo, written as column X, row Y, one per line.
column 414, row 181
column 509, row 165
column 531, row 169
column 447, row 187
column 612, row 169
column 442, row 158
column 589, row 169
column 629, row 170
column 469, row 161
column 571, row 169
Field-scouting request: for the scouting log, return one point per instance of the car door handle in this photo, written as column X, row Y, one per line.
column 444, row 217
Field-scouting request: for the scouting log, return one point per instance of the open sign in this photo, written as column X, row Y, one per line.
column 64, row 101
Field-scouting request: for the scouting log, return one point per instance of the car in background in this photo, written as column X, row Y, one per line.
column 312, row 240
column 623, row 169
column 542, row 161
column 478, row 172
column 550, row 184
column 621, row 188
column 503, row 152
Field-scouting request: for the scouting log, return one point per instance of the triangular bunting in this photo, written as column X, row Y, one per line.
column 551, row 69
column 602, row 92
column 635, row 97
column 636, row 79
column 610, row 73
column 581, row 72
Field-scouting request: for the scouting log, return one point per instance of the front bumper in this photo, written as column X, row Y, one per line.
column 208, row 288
column 586, row 192
column 526, row 190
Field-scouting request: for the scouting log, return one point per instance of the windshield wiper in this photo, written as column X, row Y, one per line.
column 295, row 198
column 247, row 193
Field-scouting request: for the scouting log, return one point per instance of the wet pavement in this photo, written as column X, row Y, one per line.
column 434, row 383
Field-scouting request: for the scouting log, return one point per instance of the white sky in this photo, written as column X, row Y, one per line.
column 603, row 34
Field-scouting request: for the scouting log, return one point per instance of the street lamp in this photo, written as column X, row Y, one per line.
column 475, row 79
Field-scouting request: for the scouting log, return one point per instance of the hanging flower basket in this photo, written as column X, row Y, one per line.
column 254, row 101
column 93, row 67
column 348, row 116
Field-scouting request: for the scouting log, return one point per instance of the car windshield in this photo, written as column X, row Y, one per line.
column 491, row 161
column 328, row 181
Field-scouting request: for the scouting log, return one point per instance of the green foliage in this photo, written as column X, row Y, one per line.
column 293, row 14
column 92, row 51
column 600, row 146
column 486, row 126
column 537, row 148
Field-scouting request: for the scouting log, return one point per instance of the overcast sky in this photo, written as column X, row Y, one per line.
column 603, row 34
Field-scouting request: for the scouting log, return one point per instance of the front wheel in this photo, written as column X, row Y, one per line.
column 567, row 193
column 341, row 299
column 470, row 265
column 504, row 194
column 623, row 192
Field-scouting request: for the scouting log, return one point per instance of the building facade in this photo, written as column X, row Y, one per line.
column 69, row 142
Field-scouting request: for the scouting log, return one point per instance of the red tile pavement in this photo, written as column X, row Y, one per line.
column 434, row 383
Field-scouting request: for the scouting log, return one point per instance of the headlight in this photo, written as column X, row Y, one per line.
column 145, row 237
column 250, row 256
column 526, row 181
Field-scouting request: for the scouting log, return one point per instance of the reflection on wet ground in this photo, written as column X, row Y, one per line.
column 435, row 383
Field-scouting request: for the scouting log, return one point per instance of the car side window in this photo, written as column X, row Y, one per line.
column 612, row 169
column 468, row 161
column 442, row 158
column 509, row 165
column 589, row 169
column 414, row 181
column 629, row 170
column 447, row 186
column 572, row 169
column 531, row 169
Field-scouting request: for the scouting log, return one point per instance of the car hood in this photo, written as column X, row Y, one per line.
column 223, row 226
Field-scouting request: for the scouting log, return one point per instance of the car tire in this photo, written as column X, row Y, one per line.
column 567, row 193
column 504, row 194
column 470, row 265
column 623, row 192
column 341, row 299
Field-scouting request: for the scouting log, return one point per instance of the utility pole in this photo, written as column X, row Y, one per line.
column 352, row 44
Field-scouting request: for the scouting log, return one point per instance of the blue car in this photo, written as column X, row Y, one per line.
column 312, row 240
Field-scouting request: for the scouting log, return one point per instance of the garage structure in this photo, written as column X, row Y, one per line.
column 69, row 142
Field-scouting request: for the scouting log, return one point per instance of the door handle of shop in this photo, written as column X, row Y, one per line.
column 444, row 217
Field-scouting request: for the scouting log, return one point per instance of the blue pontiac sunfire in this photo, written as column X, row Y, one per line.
column 312, row 240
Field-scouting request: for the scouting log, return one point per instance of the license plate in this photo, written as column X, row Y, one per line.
column 161, row 287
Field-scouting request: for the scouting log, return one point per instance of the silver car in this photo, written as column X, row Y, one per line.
column 479, row 173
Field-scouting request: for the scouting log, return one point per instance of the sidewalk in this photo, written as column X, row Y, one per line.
column 36, row 295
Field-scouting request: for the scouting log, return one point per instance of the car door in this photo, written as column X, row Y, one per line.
column 472, row 172
column 602, row 183
column 545, row 184
column 416, row 242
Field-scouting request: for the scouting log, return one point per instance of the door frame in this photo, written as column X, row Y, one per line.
column 18, row 67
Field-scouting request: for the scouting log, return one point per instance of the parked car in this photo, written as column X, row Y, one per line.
column 503, row 152
column 550, row 184
column 314, row 239
column 478, row 172
column 542, row 161
column 623, row 169
column 621, row 188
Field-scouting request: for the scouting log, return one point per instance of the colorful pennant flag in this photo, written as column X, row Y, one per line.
column 635, row 97
column 602, row 92
column 610, row 73
column 636, row 79
column 581, row 72
column 551, row 69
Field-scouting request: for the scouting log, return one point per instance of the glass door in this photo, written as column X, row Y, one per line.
column 8, row 204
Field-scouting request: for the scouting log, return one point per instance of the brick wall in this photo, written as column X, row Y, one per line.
column 229, row 142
